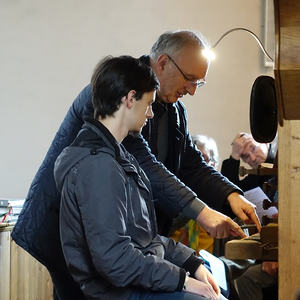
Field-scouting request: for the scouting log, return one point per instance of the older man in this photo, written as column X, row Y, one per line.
column 177, row 60
column 245, row 148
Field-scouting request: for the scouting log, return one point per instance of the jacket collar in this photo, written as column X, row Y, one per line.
column 103, row 133
column 121, row 155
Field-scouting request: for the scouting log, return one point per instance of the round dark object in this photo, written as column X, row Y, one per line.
column 263, row 109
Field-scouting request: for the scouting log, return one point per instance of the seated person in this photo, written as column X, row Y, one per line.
column 208, row 148
column 107, row 218
column 262, row 275
column 244, row 147
column 192, row 234
column 259, row 282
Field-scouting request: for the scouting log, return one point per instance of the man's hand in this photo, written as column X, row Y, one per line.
column 270, row 267
column 218, row 225
column 204, row 285
column 244, row 209
column 238, row 144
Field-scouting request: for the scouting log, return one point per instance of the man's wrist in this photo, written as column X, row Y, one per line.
column 193, row 209
column 187, row 277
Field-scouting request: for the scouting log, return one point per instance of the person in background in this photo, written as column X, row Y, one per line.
column 262, row 277
column 192, row 234
column 178, row 174
column 107, row 217
column 245, row 148
column 209, row 149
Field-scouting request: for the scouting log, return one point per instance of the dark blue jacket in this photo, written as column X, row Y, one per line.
column 37, row 229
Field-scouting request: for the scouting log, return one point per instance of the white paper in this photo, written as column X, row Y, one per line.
column 257, row 196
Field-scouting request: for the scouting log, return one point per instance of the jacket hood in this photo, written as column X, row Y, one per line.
column 88, row 142
column 68, row 158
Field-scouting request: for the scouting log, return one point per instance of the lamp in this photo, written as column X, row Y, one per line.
column 209, row 52
column 263, row 103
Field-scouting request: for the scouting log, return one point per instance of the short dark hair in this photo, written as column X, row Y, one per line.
column 114, row 77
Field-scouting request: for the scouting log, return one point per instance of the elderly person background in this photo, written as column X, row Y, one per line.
column 245, row 148
column 209, row 149
column 262, row 276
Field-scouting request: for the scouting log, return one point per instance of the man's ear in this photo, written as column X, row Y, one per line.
column 130, row 98
column 161, row 63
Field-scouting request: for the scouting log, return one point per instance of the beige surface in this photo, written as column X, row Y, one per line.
column 49, row 50
column 289, row 209
column 22, row 277
column 4, row 264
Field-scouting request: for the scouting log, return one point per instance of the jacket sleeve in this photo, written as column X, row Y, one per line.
column 209, row 184
column 173, row 196
column 176, row 252
column 102, row 201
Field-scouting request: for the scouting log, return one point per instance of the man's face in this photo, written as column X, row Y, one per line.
column 173, row 84
column 142, row 111
column 254, row 153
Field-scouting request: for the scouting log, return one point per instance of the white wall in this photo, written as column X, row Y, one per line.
column 49, row 49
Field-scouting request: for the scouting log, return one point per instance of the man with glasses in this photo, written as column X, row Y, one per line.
column 176, row 58
column 178, row 61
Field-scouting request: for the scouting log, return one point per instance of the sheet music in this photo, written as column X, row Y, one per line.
column 257, row 196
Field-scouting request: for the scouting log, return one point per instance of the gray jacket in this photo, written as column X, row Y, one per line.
column 107, row 221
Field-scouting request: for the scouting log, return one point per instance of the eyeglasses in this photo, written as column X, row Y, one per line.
column 198, row 83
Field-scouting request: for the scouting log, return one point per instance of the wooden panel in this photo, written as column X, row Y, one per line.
column 4, row 264
column 287, row 58
column 289, row 209
column 29, row 279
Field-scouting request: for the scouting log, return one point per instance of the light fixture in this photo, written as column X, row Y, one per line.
column 209, row 53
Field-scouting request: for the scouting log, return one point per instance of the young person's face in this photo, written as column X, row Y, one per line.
column 178, row 74
column 142, row 111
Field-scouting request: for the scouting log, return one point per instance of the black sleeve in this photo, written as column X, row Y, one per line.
column 230, row 169
column 209, row 184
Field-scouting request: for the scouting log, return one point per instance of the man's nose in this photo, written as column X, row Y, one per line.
column 252, row 156
column 150, row 113
column 191, row 88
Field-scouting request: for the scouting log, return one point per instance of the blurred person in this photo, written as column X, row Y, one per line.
column 209, row 149
column 245, row 148
column 260, row 279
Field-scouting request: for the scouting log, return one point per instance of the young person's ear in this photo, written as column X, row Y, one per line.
column 130, row 98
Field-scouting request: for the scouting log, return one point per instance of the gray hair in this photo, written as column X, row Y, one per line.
column 172, row 41
column 208, row 143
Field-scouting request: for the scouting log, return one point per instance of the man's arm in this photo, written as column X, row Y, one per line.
column 211, row 186
column 175, row 197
